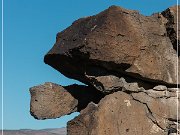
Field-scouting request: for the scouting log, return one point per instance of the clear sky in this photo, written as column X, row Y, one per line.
column 30, row 28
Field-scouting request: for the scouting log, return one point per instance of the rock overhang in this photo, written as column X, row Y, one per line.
column 127, row 61
column 117, row 40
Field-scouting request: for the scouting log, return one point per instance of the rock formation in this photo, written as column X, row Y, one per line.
column 62, row 100
column 129, row 63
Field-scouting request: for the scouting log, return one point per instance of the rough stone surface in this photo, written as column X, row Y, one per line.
column 116, row 114
column 129, row 65
column 111, row 83
column 171, row 24
column 162, row 109
column 51, row 100
column 115, row 40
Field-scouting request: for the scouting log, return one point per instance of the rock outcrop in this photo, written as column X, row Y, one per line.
column 116, row 40
column 126, row 114
column 129, row 63
column 52, row 101
column 171, row 24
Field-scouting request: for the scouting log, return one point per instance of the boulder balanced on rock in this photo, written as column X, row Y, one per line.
column 129, row 65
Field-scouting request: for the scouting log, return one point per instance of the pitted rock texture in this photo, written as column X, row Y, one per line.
column 123, row 113
column 128, row 63
column 116, row 114
column 171, row 14
column 111, row 83
column 51, row 100
column 126, row 114
column 116, row 40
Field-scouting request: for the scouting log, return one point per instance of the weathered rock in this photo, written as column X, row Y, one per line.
column 160, row 88
column 129, row 63
column 162, row 92
column 111, row 83
column 82, row 124
column 125, row 114
column 162, row 109
column 115, row 40
column 116, row 114
column 171, row 24
column 174, row 92
column 51, row 100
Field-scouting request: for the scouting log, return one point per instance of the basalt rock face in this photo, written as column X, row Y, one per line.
column 51, row 100
column 171, row 24
column 129, row 65
column 115, row 40
column 152, row 112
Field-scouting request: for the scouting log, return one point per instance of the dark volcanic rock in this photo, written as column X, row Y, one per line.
column 115, row 40
column 116, row 114
column 128, row 62
column 171, row 24
column 127, row 114
column 111, row 83
column 51, row 100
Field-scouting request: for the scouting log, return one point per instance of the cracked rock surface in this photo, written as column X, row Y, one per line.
column 115, row 40
column 128, row 63
column 51, row 100
column 117, row 113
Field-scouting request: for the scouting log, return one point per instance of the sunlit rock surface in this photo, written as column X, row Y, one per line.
column 128, row 63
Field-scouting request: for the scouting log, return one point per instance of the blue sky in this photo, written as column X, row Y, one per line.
column 30, row 29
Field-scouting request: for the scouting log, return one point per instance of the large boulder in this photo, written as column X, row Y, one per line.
column 115, row 41
column 122, row 114
column 129, row 63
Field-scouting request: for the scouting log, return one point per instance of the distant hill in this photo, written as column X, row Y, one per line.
column 57, row 131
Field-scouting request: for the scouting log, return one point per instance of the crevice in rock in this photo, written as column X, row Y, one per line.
column 150, row 114
column 174, row 120
column 99, row 68
column 109, row 54
column 49, row 101
column 172, row 128
column 110, row 66
column 171, row 33
column 82, row 66
column 84, row 95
